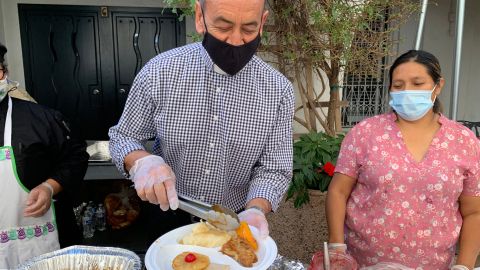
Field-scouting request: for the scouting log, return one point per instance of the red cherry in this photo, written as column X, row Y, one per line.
column 190, row 258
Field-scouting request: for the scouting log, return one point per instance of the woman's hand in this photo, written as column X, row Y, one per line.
column 38, row 201
column 40, row 198
column 459, row 267
column 469, row 235
column 339, row 247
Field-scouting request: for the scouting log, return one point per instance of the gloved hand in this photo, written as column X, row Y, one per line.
column 39, row 201
column 337, row 247
column 155, row 181
column 459, row 267
column 256, row 218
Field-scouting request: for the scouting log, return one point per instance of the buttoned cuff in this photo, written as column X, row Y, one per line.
column 266, row 190
column 121, row 151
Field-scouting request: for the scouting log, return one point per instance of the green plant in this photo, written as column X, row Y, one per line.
column 314, row 42
column 317, row 41
column 314, row 159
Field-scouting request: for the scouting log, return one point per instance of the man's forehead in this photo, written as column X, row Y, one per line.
column 260, row 3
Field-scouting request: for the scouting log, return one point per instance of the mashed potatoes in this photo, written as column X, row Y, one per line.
column 206, row 235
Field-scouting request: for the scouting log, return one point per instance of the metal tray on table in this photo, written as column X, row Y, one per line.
column 85, row 258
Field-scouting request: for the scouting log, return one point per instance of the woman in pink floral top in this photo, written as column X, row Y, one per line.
column 407, row 183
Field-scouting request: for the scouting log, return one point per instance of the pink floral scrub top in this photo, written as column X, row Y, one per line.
column 401, row 210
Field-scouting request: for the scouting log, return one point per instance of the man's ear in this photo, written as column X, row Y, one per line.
column 199, row 22
column 264, row 20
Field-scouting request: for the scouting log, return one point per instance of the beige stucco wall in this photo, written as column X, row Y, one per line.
column 469, row 94
column 439, row 39
column 2, row 35
column 10, row 29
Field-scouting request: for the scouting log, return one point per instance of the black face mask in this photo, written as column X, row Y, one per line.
column 229, row 58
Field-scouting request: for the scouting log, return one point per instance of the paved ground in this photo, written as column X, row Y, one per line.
column 299, row 233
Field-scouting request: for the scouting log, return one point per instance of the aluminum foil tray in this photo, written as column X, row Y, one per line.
column 85, row 258
column 282, row 263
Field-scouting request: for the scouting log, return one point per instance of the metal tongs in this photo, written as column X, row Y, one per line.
column 203, row 211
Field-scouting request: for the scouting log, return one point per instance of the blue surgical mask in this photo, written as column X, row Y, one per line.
column 412, row 105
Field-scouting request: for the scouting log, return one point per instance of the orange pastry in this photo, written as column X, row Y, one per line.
column 190, row 261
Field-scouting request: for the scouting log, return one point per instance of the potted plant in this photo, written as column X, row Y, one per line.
column 299, row 226
column 314, row 159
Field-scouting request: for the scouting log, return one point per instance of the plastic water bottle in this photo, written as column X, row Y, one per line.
column 91, row 212
column 88, row 227
column 78, row 213
column 91, row 207
column 100, row 218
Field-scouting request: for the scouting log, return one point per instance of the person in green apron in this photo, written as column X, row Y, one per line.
column 38, row 160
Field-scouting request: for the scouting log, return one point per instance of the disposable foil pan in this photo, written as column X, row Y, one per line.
column 85, row 258
column 282, row 263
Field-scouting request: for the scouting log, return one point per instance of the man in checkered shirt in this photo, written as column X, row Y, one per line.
column 220, row 116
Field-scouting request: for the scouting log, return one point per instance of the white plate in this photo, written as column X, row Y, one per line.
column 162, row 252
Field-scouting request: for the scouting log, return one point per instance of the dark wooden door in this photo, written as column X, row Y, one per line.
column 81, row 60
column 138, row 37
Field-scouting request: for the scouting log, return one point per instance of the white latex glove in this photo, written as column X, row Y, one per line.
column 337, row 247
column 38, row 201
column 155, row 182
column 256, row 218
column 459, row 267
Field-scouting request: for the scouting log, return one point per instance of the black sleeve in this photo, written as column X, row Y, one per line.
column 71, row 160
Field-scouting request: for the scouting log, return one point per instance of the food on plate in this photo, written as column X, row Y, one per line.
column 243, row 231
column 205, row 235
column 222, row 221
column 238, row 243
column 214, row 266
column 190, row 261
column 240, row 251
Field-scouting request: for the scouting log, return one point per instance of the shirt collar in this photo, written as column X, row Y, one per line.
column 209, row 63
column 206, row 58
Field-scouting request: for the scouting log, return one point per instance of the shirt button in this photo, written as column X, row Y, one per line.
column 215, row 118
column 207, row 171
column 212, row 145
column 202, row 198
column 218, row 89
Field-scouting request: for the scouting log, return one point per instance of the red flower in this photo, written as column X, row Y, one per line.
column 329, row 168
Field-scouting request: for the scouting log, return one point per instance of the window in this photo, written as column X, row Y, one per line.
column 364, row 84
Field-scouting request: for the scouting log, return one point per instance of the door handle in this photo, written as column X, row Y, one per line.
column 96, row 91
column 122, row 91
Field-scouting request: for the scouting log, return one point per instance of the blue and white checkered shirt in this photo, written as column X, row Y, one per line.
column 227, row 138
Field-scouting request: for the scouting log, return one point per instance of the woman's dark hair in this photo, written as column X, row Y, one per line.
column 3, row 51
column 429, row 61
